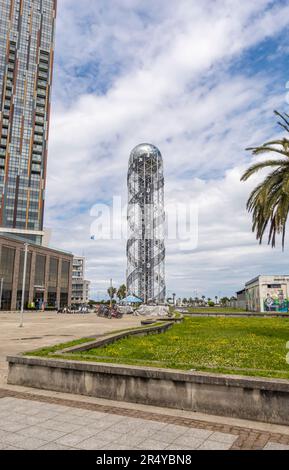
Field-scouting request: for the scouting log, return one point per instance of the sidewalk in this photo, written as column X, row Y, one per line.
column 38, row 419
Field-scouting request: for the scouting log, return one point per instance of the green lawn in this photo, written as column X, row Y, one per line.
column 215, row 310
column 243, row 346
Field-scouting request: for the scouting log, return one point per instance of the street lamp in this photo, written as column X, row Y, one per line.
column 111, row 293
column 24, row 283
column 1, row 291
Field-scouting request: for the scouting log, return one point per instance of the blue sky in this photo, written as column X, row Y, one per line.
column 201, row 82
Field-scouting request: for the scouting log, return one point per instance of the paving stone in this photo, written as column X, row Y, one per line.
column 3, row 434
column 214, row 445
column 12, row 427
column 124, row 427
column 115, row 446
column 30, row 420
column 98, row 426
column 41, row 433
column 28, row 424
column 93, row 443
column 188, row 441
column 53, row 446
column 11, row 418
column 71, row 440
column 153, row 425
column 12, row 438
column 151, row 444
column 180, row 447
column 276, row 446
column 32, row 443
column 107, row 435
column 221, row 437
column 168, row 435
column 197, row 433
column 95, row 415
column 85, row 432
column 11, row 448
column 113, row 419
column 130, row 440
column 59, row 426
column 77, row 419
column 46, row 415
column 79, row 412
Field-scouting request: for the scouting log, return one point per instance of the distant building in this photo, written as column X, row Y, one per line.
column 268, row 294
column 241, row 301
column 48, row 276
column 80, row 286
column 27, row 30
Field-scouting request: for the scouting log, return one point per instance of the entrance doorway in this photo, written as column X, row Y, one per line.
column 38, row 299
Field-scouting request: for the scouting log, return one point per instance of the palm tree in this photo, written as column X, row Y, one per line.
column 269, row 201
column 121, row 293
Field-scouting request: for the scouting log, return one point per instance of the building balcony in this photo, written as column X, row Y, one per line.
column 36, row 158
column 36, row 169
column 42, row 84
column 37, row 148
column 39, row 130
column 43, row 75
column 40, row 113
column 40, row 102
column 41, row 93
column 38, row 138
column 43, row 66
column 5, row 123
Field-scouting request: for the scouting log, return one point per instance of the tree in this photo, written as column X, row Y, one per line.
column 111, row 292
column 269, row 201
column 121, row 293
column 224, row 300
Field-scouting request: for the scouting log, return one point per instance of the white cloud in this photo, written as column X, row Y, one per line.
column 162, row 72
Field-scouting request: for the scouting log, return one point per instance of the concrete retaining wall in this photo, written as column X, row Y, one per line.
column 249, row 398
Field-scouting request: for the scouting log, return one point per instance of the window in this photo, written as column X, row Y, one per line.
column 6, row 273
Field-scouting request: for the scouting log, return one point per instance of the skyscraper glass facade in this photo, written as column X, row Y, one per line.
column 27, row 30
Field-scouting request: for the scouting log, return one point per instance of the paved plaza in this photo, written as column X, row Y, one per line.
column 32, row 425
column 47, row 329
column 43, row 422
column 40, row 420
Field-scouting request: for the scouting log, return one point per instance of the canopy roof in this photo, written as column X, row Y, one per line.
column 131, row 299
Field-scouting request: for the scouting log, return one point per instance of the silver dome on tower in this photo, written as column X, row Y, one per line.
column 146, row 220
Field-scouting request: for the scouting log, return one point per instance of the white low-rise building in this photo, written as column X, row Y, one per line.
column 268, row 294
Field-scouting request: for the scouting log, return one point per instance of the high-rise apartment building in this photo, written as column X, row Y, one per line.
column 80, row 286
column 27, row 30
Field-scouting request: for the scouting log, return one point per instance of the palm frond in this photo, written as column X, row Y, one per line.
column 269, row 201
column 261, row 165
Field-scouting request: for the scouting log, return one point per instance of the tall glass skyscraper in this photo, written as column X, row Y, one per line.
column 27, row 30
